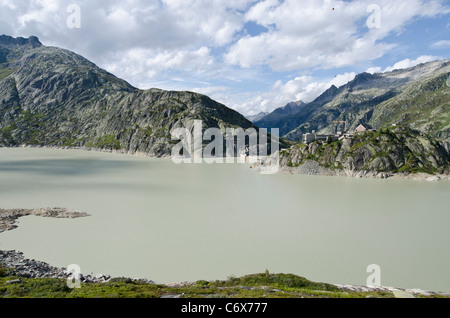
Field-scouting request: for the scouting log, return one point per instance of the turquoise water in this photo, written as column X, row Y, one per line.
column 152, row 218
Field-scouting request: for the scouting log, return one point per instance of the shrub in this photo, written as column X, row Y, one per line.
column 202, row 283
column 123, row 280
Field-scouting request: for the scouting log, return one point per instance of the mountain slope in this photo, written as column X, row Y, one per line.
column 53, row 97
column 418, row 97
column 427, row 103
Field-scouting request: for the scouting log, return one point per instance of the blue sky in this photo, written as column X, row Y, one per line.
column 250, row 55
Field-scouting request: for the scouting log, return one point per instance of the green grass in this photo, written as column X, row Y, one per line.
column 5, row 72
column 264, row 285
column 276, row 280
column 3, row 272
column 107, row 142
column 69, row 142
column 6, row 133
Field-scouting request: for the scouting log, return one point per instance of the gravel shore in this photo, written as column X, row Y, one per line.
column 313, row 168
column 9, row 217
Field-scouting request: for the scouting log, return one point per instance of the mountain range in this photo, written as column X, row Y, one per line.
column 53, row 97
column 418, row 97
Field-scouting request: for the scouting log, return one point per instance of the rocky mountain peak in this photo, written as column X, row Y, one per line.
column 363, row 77
column 289, row 109
column 328, row 94
column 10, row 42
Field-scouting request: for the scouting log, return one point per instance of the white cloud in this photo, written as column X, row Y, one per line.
column 407, row 63
column 211, row 90
column 373, row 70
column 187, row 60
column 441, row 44
column 8, row 3
column 138, row 40
column 304, row 34
column 181, row 44
column 39, row 12
column 146, row 65
column 304, row 88
column 216, row 20
column 113, row 24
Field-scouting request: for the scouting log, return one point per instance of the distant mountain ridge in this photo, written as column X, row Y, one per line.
column 53, row 97
column 289, row 109
column 418, row 97
column 257, row 116
column 275, row 118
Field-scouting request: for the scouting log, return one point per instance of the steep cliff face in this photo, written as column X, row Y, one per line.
column 54, row 97
column 391, row 150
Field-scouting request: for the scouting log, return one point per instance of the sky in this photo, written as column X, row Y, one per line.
column 251, row 55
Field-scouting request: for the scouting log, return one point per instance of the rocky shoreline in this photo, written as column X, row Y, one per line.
column 313, row 168
column 18, row 266
column 90, row 149
column 398, row 292
column 310, row 167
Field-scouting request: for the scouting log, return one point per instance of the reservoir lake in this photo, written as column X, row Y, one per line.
column 151, row 218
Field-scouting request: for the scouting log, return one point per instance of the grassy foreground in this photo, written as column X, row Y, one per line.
column 263, row 285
